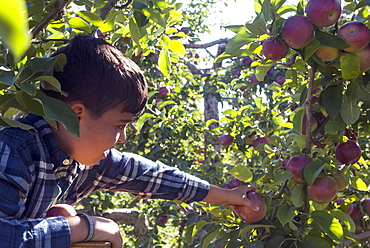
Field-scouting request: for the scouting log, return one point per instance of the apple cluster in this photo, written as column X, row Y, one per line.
column 324, row 189
column 298, row 30
column 357, row 211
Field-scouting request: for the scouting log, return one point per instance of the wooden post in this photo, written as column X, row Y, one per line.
column 92, row 244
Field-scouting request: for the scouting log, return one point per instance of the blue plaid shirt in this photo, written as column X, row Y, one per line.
column 35, row 174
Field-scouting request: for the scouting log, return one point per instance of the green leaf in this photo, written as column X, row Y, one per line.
column 332, row 98
column 335, row 125
column 33, row 105
column 163, row 104
column 235, row 28
column 238, row 53
column 9, row 122
column 239, row 40
column 301, row 141
column 298, row 195
column 91, row 17
column 329, row 225
column 109, row 21
column 263, row 223
column 327, row 39
column 7, row 77
column 177, row 47
column 140, row 19
column 311, row 48
column 350, row 65
column 79, row 24
column 208, row 238
column 136, row 32
column 242, row 172
column 311, row 241
column 28, row 87
column 345, row 218
column 51, row 83
column 57, row 110
column 14, row 27
column 298, row 119
column 261, row 71
column 258, row 27
column 155, row 15
column 285, row 213
column 358, row 184
column 282, row 176
column 164, row 62
column 350, row 111
column 143, row 118
column 312, row 170
column 363, row 93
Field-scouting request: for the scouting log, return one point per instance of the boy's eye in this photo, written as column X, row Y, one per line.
column 122, row 126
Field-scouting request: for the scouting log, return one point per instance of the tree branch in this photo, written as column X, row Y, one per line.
column 359, row 236
column 107, row 8
column 130, row 216
column 212, row 43
column 124, row 6
column 59, row 6
column 308, row 111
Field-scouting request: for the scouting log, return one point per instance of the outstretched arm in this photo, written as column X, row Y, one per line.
column 230, row 197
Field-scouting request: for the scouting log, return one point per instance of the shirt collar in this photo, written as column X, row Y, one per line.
column 57, row 155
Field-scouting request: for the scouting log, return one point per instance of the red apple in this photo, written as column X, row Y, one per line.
column 323, row 13
column 356, row 34
column 346, row 207
column 366, row 205
column 64, row 210
column 235, row 182
column 226, row 139
column 247, row 62
column 327, row 53
column 280, row 80
column 364, row 56
column 348, row 152
column 235, row 73
column 254, row 79
column 341, row 181
column 247, row 214
column 323, row 190
column 296, row 165
column 297, row 31
column 285, row 162
column 248, row 140
column 226, row 186
column 260, row 140
column 314, row 124
column 162, row 218
column 163, row 91
column 274, row 49
column 356, row 213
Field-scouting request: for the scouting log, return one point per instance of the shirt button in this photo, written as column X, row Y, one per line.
column 66, row 161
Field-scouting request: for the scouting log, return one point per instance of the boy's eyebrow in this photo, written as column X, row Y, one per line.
column 128, row 120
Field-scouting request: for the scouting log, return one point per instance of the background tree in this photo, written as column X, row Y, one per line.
column 289, row 96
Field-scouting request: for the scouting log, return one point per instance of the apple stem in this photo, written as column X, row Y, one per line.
column 308, row 110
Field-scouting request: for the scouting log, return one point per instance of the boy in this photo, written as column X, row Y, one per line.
column 44, row 165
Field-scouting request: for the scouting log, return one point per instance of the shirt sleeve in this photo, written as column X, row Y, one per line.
column 15, row 229
column 148, row 179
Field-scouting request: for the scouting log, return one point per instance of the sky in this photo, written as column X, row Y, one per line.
column 238, row 12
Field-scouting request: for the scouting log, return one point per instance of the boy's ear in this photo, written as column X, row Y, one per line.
column 79, row 108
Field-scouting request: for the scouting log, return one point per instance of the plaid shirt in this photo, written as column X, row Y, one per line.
column 35, row 174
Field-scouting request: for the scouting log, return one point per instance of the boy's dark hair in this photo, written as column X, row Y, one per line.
column 101, row 77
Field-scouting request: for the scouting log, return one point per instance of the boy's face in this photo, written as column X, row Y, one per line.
column 96, row 135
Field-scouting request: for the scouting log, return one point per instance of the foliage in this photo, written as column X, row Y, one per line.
column 173, row 128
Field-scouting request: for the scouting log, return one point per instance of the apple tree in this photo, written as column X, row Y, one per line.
column 286, row 108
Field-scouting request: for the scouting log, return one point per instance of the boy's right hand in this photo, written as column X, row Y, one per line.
column 105, row 230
